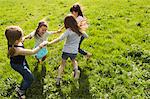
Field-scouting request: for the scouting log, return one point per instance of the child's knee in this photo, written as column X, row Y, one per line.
column 63, row 63
column 61, row 67
column 74, row 62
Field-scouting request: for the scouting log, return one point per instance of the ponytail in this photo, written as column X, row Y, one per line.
column 11, row 52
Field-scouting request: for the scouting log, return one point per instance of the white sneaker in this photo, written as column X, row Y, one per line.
column 21, row 93
column 58, row 81
column 76, row 74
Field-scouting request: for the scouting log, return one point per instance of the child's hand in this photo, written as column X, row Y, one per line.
column 84, row 24
column 49, row 43
column 44, row 43
column 23, row 39
column 60, row 29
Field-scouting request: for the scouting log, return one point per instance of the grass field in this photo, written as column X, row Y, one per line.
column 119, row 39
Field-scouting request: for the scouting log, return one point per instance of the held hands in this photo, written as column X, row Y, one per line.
column 83, row 25
column 44, row 43
column 49, row 43
column 60, row 29
column 23, row 39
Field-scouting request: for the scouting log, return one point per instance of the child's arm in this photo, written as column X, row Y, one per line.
column 63, row 36
column 58, row 31
column 85, row 35
column 83, row 24
column 54, row 41
column 29, row 36
column 22, row 51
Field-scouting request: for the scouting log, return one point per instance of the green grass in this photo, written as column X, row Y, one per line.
column 119, row 41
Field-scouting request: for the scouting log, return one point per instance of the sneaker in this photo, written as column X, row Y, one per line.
column 76, row 74
column 58, row 81
column 88, row 55
column 21, row 93
column 39, row 61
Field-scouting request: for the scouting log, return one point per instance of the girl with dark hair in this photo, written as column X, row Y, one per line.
column 41, row 34
column 70, row 49
column 17, row 53
column 81, row 20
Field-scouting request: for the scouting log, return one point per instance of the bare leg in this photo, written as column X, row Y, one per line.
column 76, row 71
column 60, row 70
column 75, row 64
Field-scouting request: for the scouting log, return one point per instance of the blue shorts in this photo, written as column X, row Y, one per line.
column 70, row 55
column 41, row 53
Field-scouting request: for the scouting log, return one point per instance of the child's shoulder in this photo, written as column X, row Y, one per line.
column 68, row 31
column 32, row 34
column 79, row 18
column 48, row 32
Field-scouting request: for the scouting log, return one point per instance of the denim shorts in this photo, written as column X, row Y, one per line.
column 65, row 56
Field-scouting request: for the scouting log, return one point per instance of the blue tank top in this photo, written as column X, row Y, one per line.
column 19, row 59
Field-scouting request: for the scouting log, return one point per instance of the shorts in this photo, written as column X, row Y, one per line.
column 65, row 56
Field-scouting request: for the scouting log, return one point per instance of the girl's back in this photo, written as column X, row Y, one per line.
column 72, row 41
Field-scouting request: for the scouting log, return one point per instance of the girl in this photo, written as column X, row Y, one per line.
column 16, row 53
column 77, row 13
column 72, row 35
column 41, row 34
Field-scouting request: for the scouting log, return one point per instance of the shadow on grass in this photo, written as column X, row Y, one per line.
column 82, row 91
column 79, row 89
column 36, row 89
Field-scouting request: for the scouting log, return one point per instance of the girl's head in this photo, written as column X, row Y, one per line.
column 42, row 28
column 76, row 10
column 13, row 35
column 71, row 23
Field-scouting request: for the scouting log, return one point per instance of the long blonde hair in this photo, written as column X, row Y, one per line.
column 12, row 34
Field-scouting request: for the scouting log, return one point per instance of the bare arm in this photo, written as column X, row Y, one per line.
column 63, row 36
column 29, row 36
column 85, row 35
column 22, row 51
column 54, row 41
column 58, row 31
